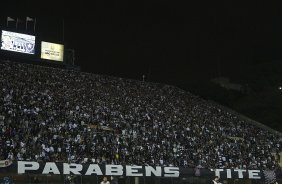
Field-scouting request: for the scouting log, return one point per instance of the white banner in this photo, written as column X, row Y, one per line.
column 24, row 167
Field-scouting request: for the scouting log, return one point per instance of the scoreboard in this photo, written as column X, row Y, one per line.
column 18, row 42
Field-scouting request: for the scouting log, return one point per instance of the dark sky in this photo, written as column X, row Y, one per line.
column 167, row 40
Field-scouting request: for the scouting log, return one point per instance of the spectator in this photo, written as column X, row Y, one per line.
column 216, row 180
column 35, row 180
column 105, row 181
column 49, row 114
column 114, row 180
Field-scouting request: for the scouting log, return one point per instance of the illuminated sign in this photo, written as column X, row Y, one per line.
column 52, row 51
column 18, row 42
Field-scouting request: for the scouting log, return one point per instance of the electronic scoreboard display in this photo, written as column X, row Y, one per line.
column 17, row 42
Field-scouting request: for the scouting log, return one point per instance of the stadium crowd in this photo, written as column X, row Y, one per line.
column 49, row 114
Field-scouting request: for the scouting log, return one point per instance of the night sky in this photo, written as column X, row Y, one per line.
column 167, row 41
column 170, row 41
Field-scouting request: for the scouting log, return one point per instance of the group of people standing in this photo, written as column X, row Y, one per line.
column 55, row 115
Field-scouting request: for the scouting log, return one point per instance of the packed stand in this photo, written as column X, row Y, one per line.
column 49, row 114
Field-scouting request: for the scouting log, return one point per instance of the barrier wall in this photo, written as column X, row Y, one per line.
column 51, row 172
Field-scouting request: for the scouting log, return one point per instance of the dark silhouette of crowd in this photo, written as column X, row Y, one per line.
column 50, row 114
